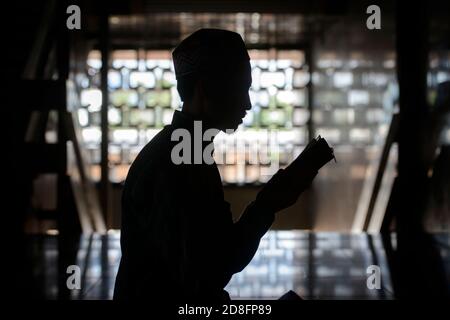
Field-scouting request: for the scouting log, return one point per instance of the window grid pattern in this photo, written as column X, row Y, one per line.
column 143, row 98
column 354, row 96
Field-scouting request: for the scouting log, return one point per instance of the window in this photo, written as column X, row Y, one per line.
column 143, row 98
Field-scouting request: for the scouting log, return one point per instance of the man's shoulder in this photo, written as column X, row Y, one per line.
column 156, row 149
column 154, row 157
column 154, row 163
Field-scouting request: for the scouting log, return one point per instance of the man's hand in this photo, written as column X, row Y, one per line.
column 285, row 187
column 283, row 190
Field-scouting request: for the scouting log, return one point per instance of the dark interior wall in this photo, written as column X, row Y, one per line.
column 16, row 47
column 299, row 216
column 18, row 44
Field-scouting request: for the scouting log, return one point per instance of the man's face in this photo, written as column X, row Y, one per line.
column 229, row 100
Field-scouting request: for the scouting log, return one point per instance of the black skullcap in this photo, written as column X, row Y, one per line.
column 208, row 49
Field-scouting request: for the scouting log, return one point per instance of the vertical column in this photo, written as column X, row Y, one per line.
column 412, row 65
column 310, row 89
column 104, row 49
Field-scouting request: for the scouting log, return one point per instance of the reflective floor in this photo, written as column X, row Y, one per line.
column 315, row 265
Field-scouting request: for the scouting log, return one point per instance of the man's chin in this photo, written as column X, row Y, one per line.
column 236, row 125
column 227, row 128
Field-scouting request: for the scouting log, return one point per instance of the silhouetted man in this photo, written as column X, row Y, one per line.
column 178, row 238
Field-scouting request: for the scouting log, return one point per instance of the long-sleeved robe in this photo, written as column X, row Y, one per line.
column 178, row 237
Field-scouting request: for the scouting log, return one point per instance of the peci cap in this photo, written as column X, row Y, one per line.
column 208, row 49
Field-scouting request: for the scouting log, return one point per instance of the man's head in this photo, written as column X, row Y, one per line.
column 213, row 73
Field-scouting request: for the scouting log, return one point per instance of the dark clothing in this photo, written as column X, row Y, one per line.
column 178, row 238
